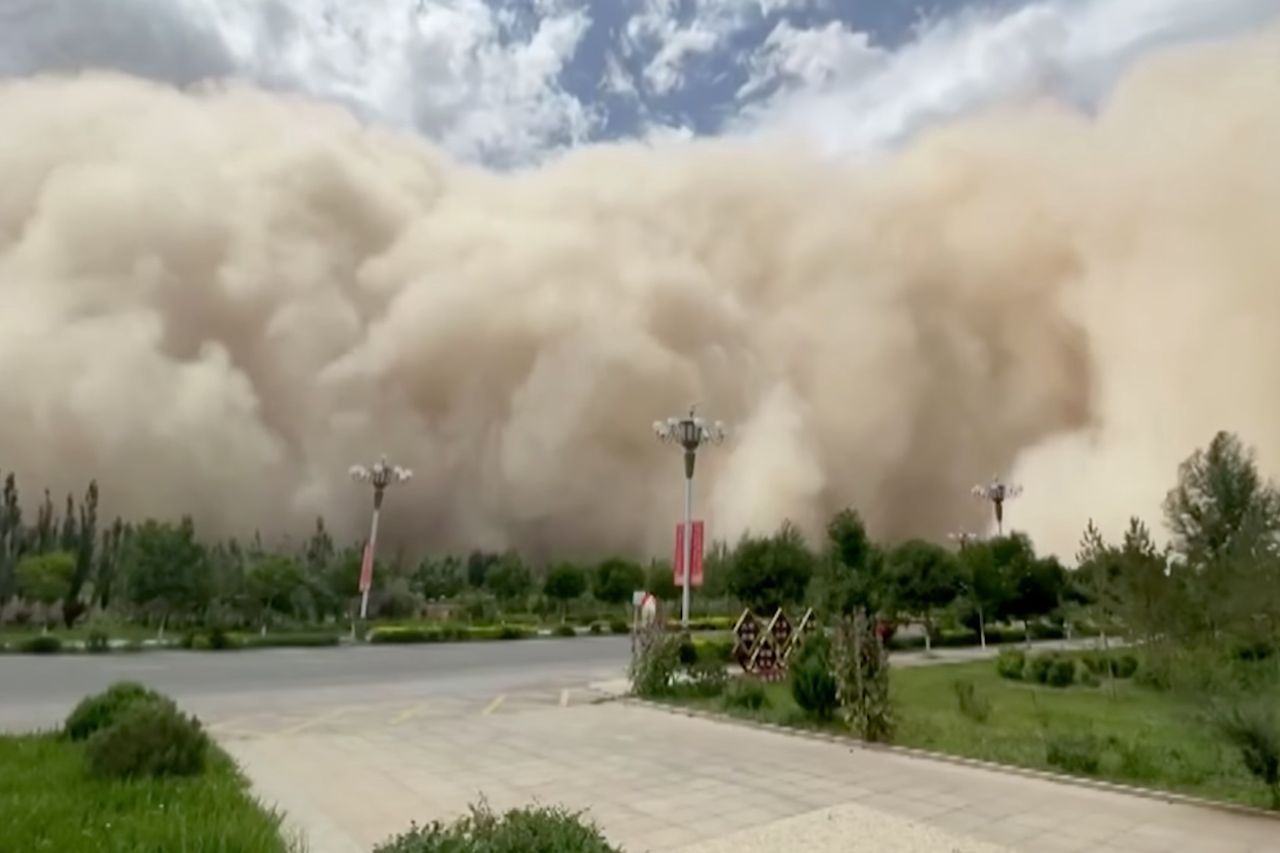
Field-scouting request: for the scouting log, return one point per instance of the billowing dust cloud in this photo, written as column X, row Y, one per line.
column 216, row 302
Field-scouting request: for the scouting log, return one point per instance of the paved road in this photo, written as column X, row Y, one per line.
column 38, row 691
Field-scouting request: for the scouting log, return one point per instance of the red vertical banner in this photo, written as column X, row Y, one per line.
column 366, row 569
column 678, row 563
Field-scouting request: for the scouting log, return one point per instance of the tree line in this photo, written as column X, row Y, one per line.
column 1218, row 578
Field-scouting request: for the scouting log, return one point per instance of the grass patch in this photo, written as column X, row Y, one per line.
column 50, row 803
column 1137, row 736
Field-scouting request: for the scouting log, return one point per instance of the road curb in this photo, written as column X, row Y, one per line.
column 852, row 743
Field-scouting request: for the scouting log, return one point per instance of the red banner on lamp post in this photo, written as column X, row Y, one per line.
column 366, row 569
column 678, row 564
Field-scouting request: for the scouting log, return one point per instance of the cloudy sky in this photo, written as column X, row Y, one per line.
column 506, row 82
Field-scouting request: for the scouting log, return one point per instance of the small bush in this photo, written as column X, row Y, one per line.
column 1254, row 730
column 149, row 739
column 41, row 644
column 530, row 830
column 1061, row 672
column 512, row 632
column 386, row 635
column 687, row 652
column 564, row 631
column 971, row 704
column 1089, row 679
column 286, row 641
column 1078, row 754
column 707, row 678
column 1012, row 664
column 745, row 694
column 720, row 651
column 97, row 642
column 654, row 664
column 1124, row 666
column 813, row 685
column 103, row 709
column 596, row 629
column 1038, row 668
column 619, row 626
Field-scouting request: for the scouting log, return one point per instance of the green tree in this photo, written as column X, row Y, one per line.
column 83, row 545
column 1035, row 585
column 46, row 577
column 10, row 537
column 166, row 570
column 271, row 585
column 1219, row 496
column 45, row 535
column 926, row 577
column 565, row 582
column 478, row 565
column 115, row 542
column 853, row 577
column 661, row 582
column 443, row 577
column 772, row 571
column 615, row 580
column 981, row 583
column 509, row 579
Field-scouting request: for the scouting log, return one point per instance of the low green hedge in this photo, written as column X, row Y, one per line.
column 405, row 634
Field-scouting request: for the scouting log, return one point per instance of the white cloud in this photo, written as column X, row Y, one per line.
column 474, row 76
column 834, row 88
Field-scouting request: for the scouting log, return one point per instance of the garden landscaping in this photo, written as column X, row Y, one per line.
column 1090, row 724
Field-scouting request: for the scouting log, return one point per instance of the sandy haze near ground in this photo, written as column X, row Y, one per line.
column 215, row 302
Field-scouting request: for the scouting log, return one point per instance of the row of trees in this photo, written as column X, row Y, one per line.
column 1219, row 576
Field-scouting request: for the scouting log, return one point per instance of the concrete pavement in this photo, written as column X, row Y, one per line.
column 660, row 781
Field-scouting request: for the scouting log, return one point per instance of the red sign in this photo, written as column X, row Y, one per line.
column 697, row 554
column 366, row 569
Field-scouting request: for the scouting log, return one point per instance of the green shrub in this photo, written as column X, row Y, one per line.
column 103, row 709
column 654, row 664
column 564, row 631
column 745, row 694
column 596, row 629
column 688, row 652
column 707, row 678
column 529, row 830
column 813, row 685
column 1074, row 753
column 720, row 651
column 1061, row 672
column 971, row 703
column 1090, row 679
column 1038, row 668
column 41, row 644
column 512, row 632
column 148, row 739
column 1254, row 730
column 97, row 641
column 1012, row 664
column 301, row 641
column 386, row 635
column 1124, row 666
column 619, row 626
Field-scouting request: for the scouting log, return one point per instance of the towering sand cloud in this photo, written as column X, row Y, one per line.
column 216, row 301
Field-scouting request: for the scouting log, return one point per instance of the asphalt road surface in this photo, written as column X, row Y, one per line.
column 37, row 691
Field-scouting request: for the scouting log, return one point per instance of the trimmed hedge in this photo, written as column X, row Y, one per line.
column 397, row 634
column 41, row 644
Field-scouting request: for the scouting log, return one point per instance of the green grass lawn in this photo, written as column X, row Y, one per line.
column 1142, row 737
column 48, row 802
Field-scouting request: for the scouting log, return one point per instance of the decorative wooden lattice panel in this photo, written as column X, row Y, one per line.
column 763, row 650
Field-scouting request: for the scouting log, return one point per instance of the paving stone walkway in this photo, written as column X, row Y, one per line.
column 658, row 781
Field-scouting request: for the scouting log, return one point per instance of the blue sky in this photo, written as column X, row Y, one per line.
column 509, row 82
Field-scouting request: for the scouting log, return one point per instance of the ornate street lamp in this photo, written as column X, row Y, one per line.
column 379, row 475
column 689, row 433
column 997, row 493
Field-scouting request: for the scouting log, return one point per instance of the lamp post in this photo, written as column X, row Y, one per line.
column 997, row 493
column 690, row 433
column 379, row 475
